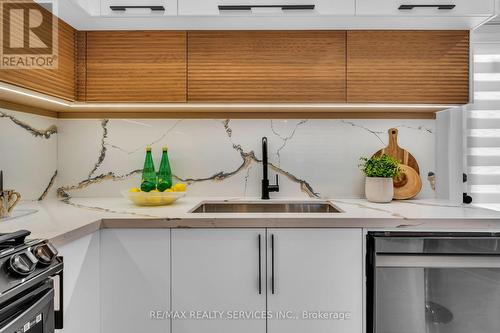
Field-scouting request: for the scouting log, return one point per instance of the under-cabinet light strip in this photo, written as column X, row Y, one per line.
column 33, row 95
column 39, row 96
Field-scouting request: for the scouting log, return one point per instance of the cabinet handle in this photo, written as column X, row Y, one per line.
column 59, row 313
column 260, row 264
column 442, row 7
column 272, row 265
column 283, row 7
column 124, row 8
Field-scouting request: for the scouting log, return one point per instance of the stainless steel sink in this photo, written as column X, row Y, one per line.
column 266, row 207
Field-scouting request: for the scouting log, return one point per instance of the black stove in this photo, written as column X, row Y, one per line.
column 28, row 268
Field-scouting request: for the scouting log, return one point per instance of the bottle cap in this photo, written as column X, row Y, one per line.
column 164, row 148
column 148, row 148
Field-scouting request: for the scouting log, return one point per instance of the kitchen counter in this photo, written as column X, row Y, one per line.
column 64, row 221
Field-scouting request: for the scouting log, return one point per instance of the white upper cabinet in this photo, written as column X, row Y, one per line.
column 425, row 7
column 276, row 15
column 263, row 7
column 91, row 7
column 138, row 8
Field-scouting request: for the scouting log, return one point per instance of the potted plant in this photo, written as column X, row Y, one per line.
column 379, row 172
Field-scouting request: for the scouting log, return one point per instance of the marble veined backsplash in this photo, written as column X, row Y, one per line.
column 46, row 157
column 28, row 153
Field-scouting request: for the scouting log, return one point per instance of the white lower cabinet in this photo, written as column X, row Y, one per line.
column 312, row 282
column 218, row 270
column 214, row 281
column 317, row 272
column 81, row 285
column 135, row 280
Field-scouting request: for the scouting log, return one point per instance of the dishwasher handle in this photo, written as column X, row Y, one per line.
column 416, row 260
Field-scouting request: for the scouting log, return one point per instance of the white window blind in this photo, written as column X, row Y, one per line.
column 483, row 137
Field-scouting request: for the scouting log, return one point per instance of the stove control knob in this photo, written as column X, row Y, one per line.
column 45, row 253
column 23, row 263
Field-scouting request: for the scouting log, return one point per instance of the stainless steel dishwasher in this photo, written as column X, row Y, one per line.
column 433, row 282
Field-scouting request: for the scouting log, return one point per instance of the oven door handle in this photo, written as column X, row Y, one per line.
column 59, row 313
column 437, row 261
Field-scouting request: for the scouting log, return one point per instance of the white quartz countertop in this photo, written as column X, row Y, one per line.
column 63, row 221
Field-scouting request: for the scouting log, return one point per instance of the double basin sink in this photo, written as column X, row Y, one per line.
column 305, row 207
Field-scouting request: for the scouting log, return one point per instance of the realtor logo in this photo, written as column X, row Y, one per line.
column 28, row 34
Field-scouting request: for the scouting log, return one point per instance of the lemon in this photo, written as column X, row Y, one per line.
column 169, row 190
column 135, row 190
column 179, row 187
column 155, row 190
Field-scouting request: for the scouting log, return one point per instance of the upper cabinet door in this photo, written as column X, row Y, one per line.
column 58, row 81
column 315, row 271
column 425, row 7
column 426, row 67
column 138, row 8
column 266, row 66
column 255, row 7
column 135, row 66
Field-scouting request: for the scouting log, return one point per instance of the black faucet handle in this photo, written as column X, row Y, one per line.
column 275, row 187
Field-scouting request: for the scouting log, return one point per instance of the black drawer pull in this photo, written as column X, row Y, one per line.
column 273, row 287
column 260, row 264
column 124, row 8
column 283, row 7
column 442, row 7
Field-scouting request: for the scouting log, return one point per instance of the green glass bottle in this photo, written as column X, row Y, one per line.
column 165, row 173
column 148, row 182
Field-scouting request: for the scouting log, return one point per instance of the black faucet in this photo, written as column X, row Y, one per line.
column 266, row 188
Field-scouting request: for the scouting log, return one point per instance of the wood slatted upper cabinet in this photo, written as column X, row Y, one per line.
column 266, row 66
column 408, row 67
column 135, row 66
column 58, row 81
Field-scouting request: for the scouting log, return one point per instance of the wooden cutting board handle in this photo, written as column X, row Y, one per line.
column 393, row 140
column 394, row 150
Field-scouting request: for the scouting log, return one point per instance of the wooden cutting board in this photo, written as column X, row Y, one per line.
column 408, row 184
column 402, row 155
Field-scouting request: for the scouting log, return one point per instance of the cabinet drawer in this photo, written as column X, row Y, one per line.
column 138, row 8
column 263, row 7
column 392, row 7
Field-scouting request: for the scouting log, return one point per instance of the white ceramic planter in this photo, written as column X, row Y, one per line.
column 378, row 189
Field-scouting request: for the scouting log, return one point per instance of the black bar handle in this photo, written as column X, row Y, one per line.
column 124, row 8
column 283, row 7
column 59, row 314
column 272, row 265
column 16, row 237
column 260, row 264
column 442, row 7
